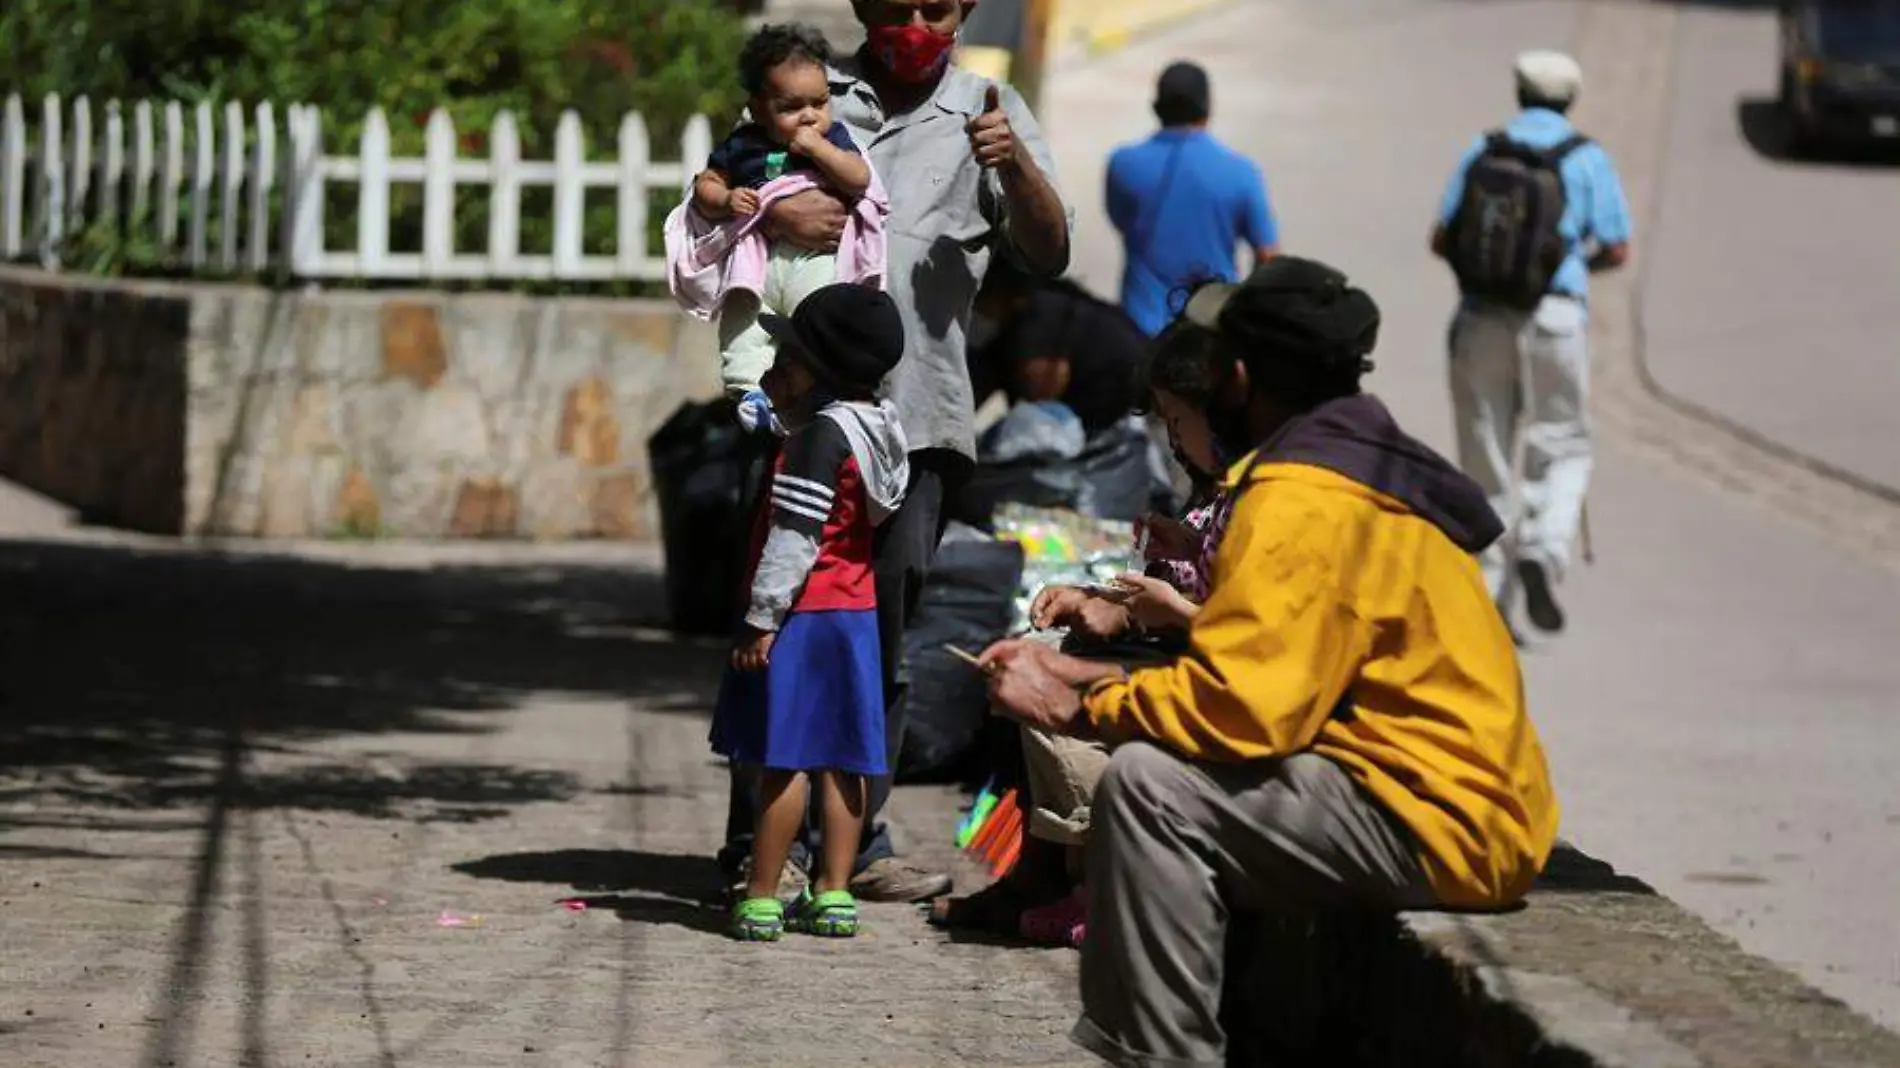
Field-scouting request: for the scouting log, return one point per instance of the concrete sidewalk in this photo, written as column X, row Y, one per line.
column 243, row 799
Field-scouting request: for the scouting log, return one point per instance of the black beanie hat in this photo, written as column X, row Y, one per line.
column 1295, row 320
column 851, row 336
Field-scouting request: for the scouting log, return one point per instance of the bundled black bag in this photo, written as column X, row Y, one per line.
column 706, row 469
column 1113, row 478
column 969, row 601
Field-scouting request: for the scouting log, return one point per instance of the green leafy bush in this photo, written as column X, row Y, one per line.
column 667, row 59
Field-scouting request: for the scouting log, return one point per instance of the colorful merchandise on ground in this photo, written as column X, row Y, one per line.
column 1064, row 548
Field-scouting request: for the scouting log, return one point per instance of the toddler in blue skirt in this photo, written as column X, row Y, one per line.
column 804, row 700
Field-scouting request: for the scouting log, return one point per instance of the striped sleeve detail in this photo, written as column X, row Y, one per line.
column 806, row 484
column 801, row 498
column 804, row 487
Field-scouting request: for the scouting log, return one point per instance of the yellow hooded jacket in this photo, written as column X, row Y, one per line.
column 1349, row 617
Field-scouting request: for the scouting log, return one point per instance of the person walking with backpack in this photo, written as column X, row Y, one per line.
column 1530, row 213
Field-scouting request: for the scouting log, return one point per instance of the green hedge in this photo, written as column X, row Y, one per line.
column 667, row 59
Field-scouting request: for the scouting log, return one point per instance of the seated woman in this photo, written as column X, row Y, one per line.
column 1039, row 340
column 1072, row 368
column 1147, row 622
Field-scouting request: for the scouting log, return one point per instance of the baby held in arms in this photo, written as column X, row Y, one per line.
column 722, row 260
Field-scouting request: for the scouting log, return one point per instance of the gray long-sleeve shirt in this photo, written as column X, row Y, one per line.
column 804, row 497
column 948, row 215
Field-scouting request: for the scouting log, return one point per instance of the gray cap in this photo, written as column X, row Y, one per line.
column 1550, row 76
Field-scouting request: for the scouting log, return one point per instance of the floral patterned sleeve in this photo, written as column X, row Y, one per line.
column 1190, row 576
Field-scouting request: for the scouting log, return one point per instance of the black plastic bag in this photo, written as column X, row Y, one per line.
column 706, row 469
column 1115, row 477
column 969, row 601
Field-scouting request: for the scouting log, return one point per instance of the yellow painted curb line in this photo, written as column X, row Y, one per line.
column 1119, row 30
column 991, row 63
column 1105, row 39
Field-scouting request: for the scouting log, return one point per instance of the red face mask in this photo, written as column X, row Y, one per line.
column 913, row 54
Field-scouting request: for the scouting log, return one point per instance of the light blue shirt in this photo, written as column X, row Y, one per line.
column 1595, row 209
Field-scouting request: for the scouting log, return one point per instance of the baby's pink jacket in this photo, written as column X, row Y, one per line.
column 707, row 260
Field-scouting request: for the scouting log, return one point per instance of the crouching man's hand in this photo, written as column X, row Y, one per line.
column 1035, row 685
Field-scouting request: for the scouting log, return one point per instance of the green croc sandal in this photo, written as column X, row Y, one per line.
column 832, row 914
column 758, row 919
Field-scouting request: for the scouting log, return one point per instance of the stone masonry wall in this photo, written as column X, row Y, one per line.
column 358, row 414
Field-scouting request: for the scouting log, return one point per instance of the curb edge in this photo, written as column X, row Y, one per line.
column 1116, row 34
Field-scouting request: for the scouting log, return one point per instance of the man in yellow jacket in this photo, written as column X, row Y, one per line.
column 1347, row 728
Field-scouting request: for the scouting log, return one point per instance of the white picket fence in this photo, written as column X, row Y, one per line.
column 79, row 175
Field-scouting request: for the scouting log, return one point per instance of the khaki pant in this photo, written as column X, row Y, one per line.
column 1178, row 847
column 1064, row 771
column 1520, row 400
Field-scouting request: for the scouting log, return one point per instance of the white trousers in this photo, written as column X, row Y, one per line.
column 1520, row 381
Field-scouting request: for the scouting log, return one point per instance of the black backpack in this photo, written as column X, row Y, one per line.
column 1504, row 243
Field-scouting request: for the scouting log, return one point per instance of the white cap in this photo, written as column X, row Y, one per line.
column 1548, row 76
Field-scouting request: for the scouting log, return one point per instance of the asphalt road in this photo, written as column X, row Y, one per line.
column 1722, row 717
column 1771, row 282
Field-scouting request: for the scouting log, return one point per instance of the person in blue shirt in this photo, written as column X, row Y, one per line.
column 1520, row 369
column 1184, row 203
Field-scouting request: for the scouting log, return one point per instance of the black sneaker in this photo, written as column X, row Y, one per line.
column 1539, row 603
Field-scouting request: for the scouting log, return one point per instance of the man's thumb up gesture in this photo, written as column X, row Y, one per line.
column 992, row 141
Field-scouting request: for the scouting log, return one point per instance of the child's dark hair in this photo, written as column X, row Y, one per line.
column 1191, row 363
column 1187, row 360
column 774, row 45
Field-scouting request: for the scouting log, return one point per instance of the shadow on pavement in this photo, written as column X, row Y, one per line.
column 706, row 917
column 594, row 871
column 182, row 690
column 1763, row 127
column 1572, row 871
column 638, row 886
column 1766, row 130
column 124, row 677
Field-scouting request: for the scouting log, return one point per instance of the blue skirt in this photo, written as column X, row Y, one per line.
column 818, row 706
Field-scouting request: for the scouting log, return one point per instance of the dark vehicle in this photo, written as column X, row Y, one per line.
column 1840, row 72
